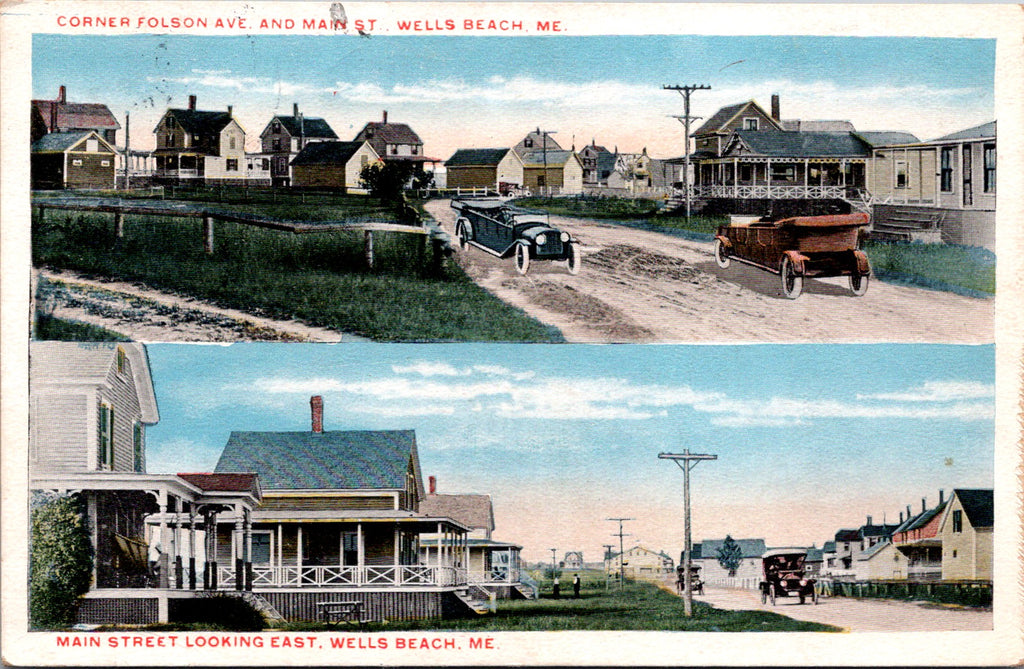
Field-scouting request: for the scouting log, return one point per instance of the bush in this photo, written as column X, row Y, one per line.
column 60, row 562
column 225, row 612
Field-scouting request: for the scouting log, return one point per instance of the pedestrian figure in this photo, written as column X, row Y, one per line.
column 576, row 586
column 556, row 588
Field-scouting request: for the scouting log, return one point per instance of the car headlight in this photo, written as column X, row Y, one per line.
column 541, row 239
column 803, row 582
column 564, row 236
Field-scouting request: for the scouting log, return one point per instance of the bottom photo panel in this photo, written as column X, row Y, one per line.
column 505, row 488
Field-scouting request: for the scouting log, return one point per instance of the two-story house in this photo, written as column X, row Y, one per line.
column 89, row 406
column 640, row 562
column 598, row 164
column 918, row 539
column 194, row 146
column 966, row 534
column 492, row 565
column 394, row 142
column 62, row 116
column 285, row 136
column 341, row 518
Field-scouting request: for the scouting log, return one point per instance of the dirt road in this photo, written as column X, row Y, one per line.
column 858, row 615
column 144, row 314
column 643, row 286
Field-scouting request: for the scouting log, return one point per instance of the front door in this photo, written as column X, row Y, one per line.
column 349, row 549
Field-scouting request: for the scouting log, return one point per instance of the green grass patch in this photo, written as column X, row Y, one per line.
column 638, row 606
column 968, row 270
column 49, row 328
column 319, row 278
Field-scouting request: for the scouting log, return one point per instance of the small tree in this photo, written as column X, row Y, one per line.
column 386, row 180
column 60, row 562
column 730, row 555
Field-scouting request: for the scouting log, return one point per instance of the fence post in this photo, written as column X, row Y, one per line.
column 368, row 247
column 435, row 257
column 208, row 233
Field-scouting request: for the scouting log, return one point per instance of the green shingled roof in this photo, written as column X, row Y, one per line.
column 58, row 142
column 476, row 157
column 322, row 461
column 311, row 126
column 789, row 144
column 983, row 131
column 195, row 121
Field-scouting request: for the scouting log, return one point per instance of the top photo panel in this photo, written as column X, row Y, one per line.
column 368, row 186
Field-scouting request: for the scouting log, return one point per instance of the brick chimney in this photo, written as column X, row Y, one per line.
column 908, row 512
column 385, row 121
column 295, row 109
column 229, row 109
column 924, row 505
column 62, row 95
column 191, row 103
column 432, row 484
column 942, row 495
column 316, row 405
column 869, row 520
column 776, row 111
column 901, row 517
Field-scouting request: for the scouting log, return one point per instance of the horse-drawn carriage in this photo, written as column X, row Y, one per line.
column 798, row 247
column 696, row 584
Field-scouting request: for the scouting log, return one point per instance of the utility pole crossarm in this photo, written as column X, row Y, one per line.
column 685, row 91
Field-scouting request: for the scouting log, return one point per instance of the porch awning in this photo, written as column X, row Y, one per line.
column 429, row 523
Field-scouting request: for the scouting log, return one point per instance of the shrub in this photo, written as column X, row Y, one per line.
column 220, row 612
column 60, row 562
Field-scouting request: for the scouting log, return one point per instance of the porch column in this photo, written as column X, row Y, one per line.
column 248, row 549
column 736, row 177
column 439, row 533
column 768, row 174
column 842, row 173
column 191, row 547
column 806, row 164
column 237, row 538
column 280, row 546
column 360, row 552
column 298, row 550
column 179, row 581
column 90, row 505
column 397, row 543
column 163, row 561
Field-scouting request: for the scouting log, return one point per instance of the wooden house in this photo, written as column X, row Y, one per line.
column 80, row 159
column 706, row 554
column 62, row 116
column 340, row 519
column 492, row 565
column 394, row 142
column 882, row 561
column 945, row 185
column 89, row 406
column 536, row 140
column 919, row 540
column 598, row 164
column 194, row 146
column 332, row 164
column 258, row 169
column 500, row 169
column 640, row 562
column 966, row 534
column 552, row 171
column 285, row 136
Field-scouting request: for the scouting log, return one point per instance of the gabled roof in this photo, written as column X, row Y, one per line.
column 476, row 157
column 376, row 133
column 59, row 142
column 978, row 505
column 847, row 535
column 785, row 144
column 723, row 116
column 872, row 551
column 749, row 548
column 474, row 511
column 554, row 157
column 877, row 530
column 885, row 137
column 336, row 460
column 828, row 547
column 923, row 519
column 815, row 555
column 309, row 126
column 983, row 131
column 327, row 153
column 198, row 122
column 823, row 125
column 66, row 365
column 224, row 482
column 92, row 115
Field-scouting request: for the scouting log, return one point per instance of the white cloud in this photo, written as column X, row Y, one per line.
column 428, row 369
column 396, row 411
column 937, row 391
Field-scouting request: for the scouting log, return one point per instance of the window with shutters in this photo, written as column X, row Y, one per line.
column 106, row 437
column 946, row 169
column 990, row 168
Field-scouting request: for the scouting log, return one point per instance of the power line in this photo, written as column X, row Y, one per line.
column 620, row 535
column 686, row 462
column 685, row 91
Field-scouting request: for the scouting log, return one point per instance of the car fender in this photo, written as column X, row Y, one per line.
column 725, row 241
column 860, row 260
column 797, row 260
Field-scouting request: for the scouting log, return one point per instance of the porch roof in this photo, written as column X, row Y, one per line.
column 789, row 144
column 355, row 516
column 475, row 543
column 154, row 483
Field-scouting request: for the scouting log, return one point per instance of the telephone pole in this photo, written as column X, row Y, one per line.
column 686, row 462
column 544, row 149
column 607, row 558
column 685, row 119
column 620, row 535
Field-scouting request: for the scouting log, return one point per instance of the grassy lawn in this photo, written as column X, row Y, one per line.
column 49, row 328
column 639, row 606
column 965, row 270
column 320, row 278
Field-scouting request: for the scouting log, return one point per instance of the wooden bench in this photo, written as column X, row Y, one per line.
column 349, row 612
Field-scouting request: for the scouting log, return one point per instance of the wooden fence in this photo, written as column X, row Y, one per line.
column 439, row 239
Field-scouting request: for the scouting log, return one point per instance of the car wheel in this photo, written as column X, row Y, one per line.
column 814, row 596
column 792, row 284
column 771, row 594
column 858, row 284
column 573, row 262
column 721, row 255
column 803, row 597
column 764, row 595
column 522, row 258
column 462, row 230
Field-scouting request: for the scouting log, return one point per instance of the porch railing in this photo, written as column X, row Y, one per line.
column 771, row 192
column 494, row 577
column 334, row 576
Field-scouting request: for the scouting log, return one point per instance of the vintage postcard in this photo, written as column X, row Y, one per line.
column 412, row 227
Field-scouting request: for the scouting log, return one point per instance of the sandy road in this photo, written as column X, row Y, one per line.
column 858, row 615
column 643, row 286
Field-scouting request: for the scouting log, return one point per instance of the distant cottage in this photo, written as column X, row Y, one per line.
column 194, row 146
column 284, row 137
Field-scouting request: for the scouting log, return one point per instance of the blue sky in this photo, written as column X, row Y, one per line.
column 809, row 438
column 459, row 91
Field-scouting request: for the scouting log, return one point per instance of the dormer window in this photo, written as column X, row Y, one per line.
column 528, row 142
column 276, row 127
column 120, row 360
column 105, row 453
column 170, row 122
column 750, row 124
